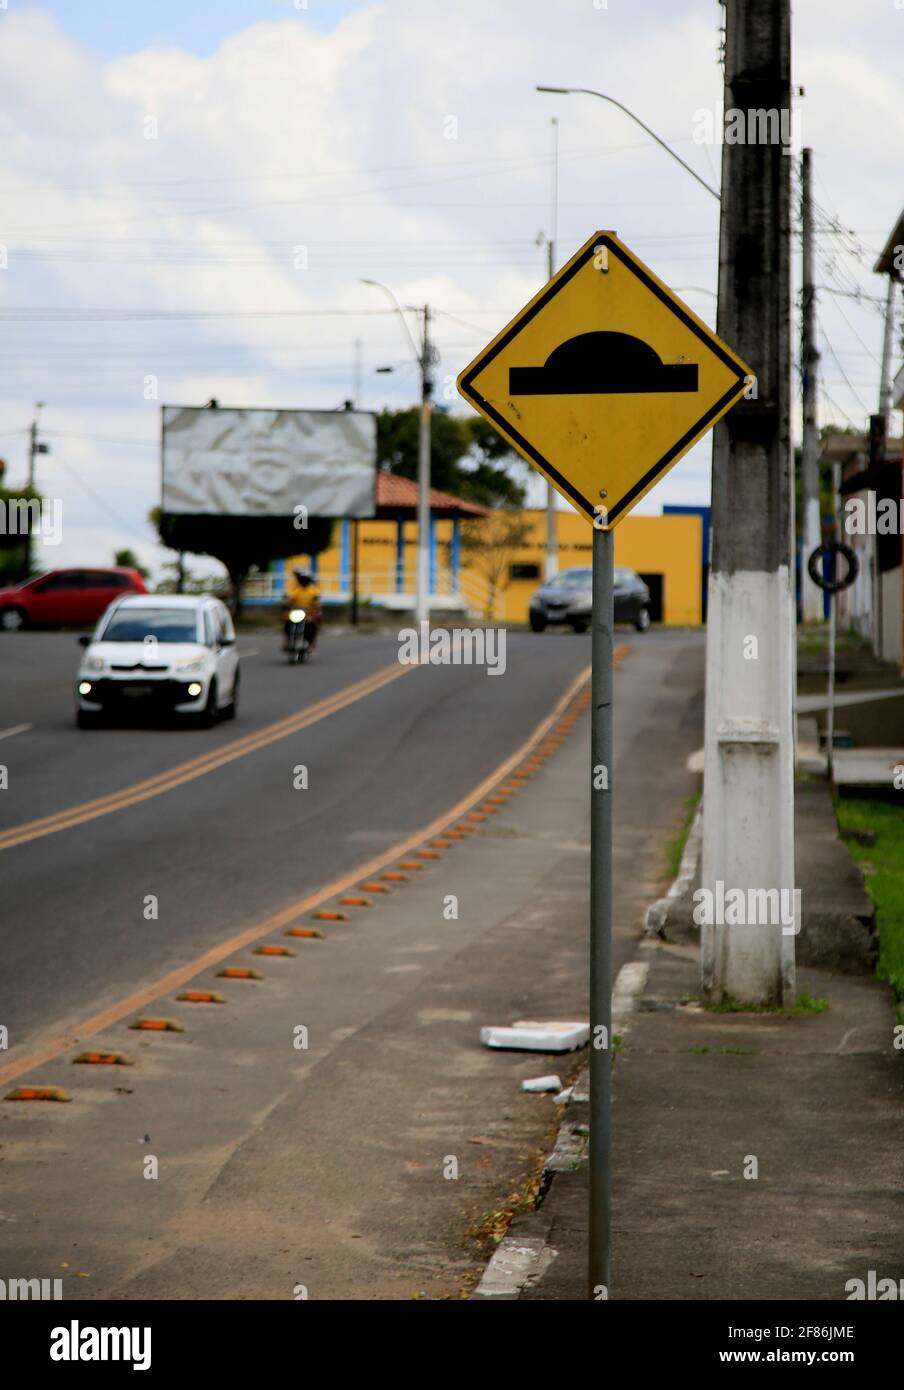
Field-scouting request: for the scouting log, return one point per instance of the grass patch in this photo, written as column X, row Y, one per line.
column 804, row 1004
column 882, row 864
column 674, row 848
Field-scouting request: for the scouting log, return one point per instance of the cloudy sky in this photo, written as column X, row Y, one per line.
column 192, row 194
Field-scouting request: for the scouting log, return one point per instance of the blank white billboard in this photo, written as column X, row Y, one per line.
column 226, row 462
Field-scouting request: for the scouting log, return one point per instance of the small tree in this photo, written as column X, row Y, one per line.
column 18, row 508
column 490, row 543
column 242, row 542
column 127, row 559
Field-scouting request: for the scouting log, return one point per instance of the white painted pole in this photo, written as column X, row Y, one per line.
column 748, row 839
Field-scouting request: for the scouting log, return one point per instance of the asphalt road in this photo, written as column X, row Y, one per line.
column 345, row 1143
column 240, row 842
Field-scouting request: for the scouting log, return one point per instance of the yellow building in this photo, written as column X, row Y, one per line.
column 666, row 551
column 497, row 580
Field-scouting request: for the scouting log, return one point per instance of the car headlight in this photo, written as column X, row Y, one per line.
column 94, row 663
column 297, row 615
column 189, row 663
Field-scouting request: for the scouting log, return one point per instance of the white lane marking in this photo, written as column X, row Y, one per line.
column 16, row 729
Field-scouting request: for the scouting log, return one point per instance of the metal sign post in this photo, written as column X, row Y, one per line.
column 600, row 1234
column 832, row 585
column 604, row 358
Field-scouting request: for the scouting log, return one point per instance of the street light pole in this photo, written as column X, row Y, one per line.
column 423, row 356
column 589, row 92
column 422, row 592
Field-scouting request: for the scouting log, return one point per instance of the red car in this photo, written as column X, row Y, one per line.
column 66, row 597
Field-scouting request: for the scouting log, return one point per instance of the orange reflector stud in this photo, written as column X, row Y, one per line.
column 306, row 932
column 498, row 800
column 356, row 902
column 200, row 996
column 441, row 844
column 452, row 835
column 239, row 972
column 393, row 877
column 410, row 864
column 476, row 815
column 331, row 916
column 274, row 951
column 466, row 829
column 426, row 853
column 104, row 1059
column 38, row 1093
column 375, row 888
column 157, row 1025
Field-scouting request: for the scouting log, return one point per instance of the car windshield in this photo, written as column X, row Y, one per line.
column 624, row 577
column 572, row 579
column 163, row 624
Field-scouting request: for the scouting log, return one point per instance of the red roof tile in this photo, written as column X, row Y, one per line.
column 395, row 493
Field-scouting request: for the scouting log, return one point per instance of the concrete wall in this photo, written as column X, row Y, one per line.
column 668, row 546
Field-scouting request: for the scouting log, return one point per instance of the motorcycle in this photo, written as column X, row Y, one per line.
column 298, row 644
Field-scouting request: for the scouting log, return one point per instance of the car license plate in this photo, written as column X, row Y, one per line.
column 137, row 691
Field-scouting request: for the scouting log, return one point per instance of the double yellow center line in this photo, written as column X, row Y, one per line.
column 200, row 766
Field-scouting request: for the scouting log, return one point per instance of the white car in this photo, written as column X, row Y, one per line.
column 169, row 652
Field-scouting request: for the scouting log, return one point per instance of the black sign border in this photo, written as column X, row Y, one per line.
column 589, row 508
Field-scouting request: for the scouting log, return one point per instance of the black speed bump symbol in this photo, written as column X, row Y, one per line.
column 603, row 364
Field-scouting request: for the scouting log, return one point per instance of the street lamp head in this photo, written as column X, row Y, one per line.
column 559, row 91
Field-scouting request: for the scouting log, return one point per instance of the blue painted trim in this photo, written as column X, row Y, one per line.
column 455, row 552
column 345, row 555
column 400, row 555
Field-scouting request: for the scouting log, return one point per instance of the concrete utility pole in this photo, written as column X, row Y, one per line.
column 748, row 839
column 35, row 447
column 880, row 429
column 551, row 563
column 809, row 363
column 885, row 383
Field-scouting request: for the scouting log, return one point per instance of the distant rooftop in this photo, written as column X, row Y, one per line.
column 396, row 494
column 885, row 265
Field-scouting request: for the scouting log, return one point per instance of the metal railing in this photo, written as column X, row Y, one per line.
column 378, row 586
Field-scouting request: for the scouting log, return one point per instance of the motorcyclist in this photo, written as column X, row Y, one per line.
column 302, row 592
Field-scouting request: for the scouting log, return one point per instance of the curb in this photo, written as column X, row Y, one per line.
column 656, row 919
column 523, row 1256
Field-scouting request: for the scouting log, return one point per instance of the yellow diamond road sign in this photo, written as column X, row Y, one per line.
column 604, row 380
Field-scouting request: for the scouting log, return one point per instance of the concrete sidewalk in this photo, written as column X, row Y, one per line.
column 757, row 1156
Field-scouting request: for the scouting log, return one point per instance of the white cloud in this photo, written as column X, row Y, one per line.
column 286, row 138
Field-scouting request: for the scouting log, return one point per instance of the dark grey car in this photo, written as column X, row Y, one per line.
column 567, row 598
